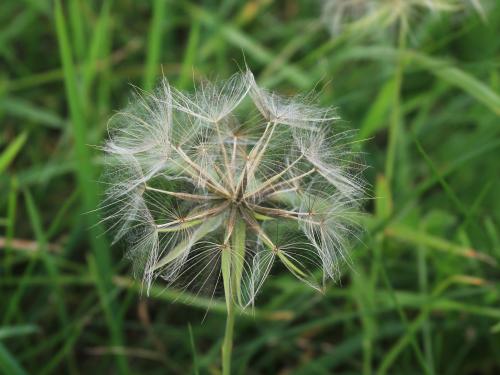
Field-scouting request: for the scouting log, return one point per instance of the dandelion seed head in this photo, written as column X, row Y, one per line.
column 187, row 173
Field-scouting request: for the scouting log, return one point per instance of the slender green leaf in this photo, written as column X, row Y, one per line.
column 457, row 77
column 239, row 39
column 190, row 55
column 9, row 364
column 196, row 368
column 97, row 44
column 86, row 179
column 154, row 43
column 27, row 111
column 19, row 330
column 377, row 115
column 407, row 234
column 12, row 150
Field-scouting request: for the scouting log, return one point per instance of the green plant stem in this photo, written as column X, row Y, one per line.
column 395, row 124
column 227, row 346
column 237, row 256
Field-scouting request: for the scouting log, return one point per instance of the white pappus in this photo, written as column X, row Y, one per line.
column 226, row 181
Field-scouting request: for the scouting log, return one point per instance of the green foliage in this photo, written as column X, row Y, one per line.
column 422, row 293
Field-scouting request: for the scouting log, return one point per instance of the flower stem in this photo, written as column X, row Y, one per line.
column 227, row 346
column 233, row 283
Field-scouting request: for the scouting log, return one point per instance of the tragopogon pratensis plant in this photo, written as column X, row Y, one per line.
column 356, row 17
column 209, row 189
column 364, row 15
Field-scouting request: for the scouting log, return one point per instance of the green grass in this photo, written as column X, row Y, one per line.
column 423, row 294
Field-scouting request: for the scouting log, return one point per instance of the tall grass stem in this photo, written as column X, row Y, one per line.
column 395, row 124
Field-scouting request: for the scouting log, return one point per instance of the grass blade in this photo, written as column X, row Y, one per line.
column 96, row 45
column 457, row 77
column 51, row 268
column 190, row 55
column 239, row 39
column 18, row 330
column 8, row 363
column 377, row 114
column 85, row 175
column 448, row 190
column 154, row 44
column 196, row 368
column 407, row 234
column 25, row 110
column 12, row 150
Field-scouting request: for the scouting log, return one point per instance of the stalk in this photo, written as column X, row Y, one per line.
column 232, row 284
column 227, row 346
column 395, row 123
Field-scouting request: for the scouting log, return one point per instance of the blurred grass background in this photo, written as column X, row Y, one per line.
column 423, row 296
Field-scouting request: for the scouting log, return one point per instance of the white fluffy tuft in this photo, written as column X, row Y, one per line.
column 185, row 172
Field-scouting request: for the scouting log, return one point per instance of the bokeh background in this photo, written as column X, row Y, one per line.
column 423, row 294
